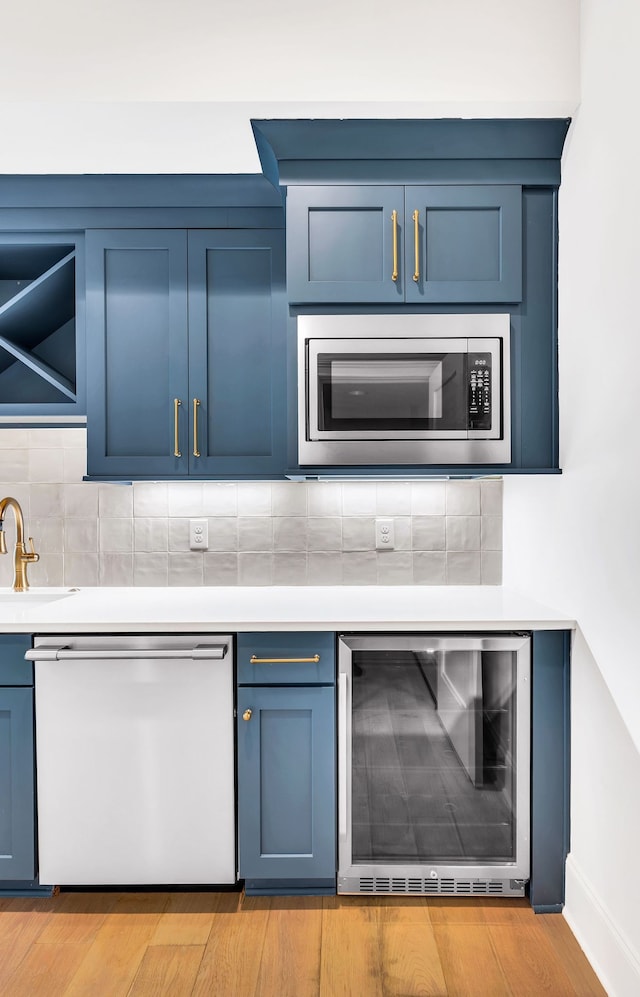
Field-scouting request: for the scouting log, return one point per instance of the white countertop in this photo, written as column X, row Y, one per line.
column 225, row 609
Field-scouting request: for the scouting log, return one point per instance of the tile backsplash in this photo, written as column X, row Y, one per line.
column 260, row 533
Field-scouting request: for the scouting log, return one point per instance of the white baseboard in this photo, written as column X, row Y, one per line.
column 612, row 957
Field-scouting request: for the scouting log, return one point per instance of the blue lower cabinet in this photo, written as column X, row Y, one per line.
column 17, row 797
column 286, row 789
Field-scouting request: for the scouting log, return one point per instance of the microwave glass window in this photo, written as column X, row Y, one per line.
column 386, row 392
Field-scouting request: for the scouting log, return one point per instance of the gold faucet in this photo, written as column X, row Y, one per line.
column 21, row 557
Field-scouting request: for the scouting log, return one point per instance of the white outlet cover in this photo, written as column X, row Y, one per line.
column 385, row 536
column 199, row 534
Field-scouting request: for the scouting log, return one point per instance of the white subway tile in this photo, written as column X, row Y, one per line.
column 115, row 500
column 116, row 569
column 395, row 567
column 178, row 534
column 491, row 492
column 186, row 568
column 150, row 498
column 428, row 498
column 223, row 533
column 47, row 500
column 393, row 498
column 254, row 498
column 220, row 568
column 290, row 569
column 74, row 465
column 186, row 498
column 150, row 534
column 151, row 569
column 429, row 567
column 81, row 570
column 46, row 465
column 255, row 533
column 255, row 568
column 463, row 533
column 324, row 568
column 358, row 534
column 289, row 498
column 360, row 568
column 220, row 498
column 358, row 498
column 289, row 534
column 81, row 499
column 48, row 535
column 428, row 532
column 491, row 532
column 463, row 498
column 49, row 570
column 14, row 466
column 324, row 498
column 324, row 534
column 491, row 566
column 463, row 568
column 116, row 535
column 80, row 535
column 14, row 439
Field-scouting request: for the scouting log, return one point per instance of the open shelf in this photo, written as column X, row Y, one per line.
column 38, row 328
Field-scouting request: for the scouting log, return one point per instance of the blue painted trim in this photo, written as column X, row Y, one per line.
column 397, row 140
column 22, row 888
column 290, row 888
column 106, row 190
column 548, row 909
column 535, row 172
column 550, row 767
column 62, row 219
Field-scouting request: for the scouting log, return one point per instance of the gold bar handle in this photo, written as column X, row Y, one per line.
column 394, row 228
column 253, row 660
column 196, row 406
column 176, row 440
column 416, row 245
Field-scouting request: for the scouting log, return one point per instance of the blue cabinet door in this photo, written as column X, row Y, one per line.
column 237, row 353
column 463, row 243
column 137, row 348
column 343, row 244
column 286, row 785
column 419, row 245
column 17, row 824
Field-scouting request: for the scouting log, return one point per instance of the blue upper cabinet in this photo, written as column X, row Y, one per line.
column 186, row 353
column 41, row 329
column 463, row 243
column 344, row 244
column 390, row 244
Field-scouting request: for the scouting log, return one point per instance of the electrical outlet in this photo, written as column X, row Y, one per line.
column 198, row 534
column 385, row 539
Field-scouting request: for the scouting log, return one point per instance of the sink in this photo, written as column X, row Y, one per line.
column 33, row 596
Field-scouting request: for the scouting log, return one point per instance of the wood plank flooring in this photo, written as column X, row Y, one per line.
column 228, row 945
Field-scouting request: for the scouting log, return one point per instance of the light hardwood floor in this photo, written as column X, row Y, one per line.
column 175, row 944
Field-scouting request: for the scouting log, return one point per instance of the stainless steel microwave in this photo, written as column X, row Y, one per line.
column 386, row 389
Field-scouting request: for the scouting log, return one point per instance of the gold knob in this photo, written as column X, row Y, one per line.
column 247, row 714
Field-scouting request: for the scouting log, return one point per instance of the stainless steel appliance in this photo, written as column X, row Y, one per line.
column 404, row 389
column 135, row 744
column 433, row 763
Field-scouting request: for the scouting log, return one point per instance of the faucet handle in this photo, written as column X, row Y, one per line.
column 3, row 542
column 32, row 556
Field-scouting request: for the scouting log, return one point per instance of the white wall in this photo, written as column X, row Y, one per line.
column 159, row 86
column 575, row 540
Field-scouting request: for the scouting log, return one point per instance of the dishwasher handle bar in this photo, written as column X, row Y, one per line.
column 64, row 653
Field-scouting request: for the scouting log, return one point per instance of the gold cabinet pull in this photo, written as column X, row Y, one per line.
column 196, row 406
column 416, row 245
column 394, row 228
column 253, row 660
column 247, row 714
column 176, row 441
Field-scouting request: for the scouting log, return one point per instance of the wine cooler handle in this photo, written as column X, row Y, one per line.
column 342, row 755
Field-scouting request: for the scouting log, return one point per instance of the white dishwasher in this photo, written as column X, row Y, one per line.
column 135, row 759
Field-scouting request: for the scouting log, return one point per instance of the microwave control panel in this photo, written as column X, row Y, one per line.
column 479, row 390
